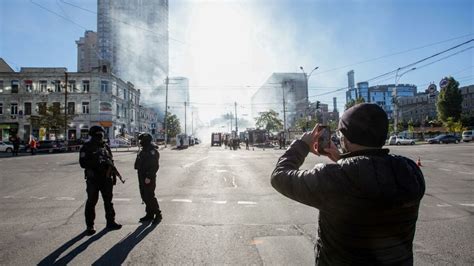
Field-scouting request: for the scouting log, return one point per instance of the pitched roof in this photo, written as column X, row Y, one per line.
column 4, row 67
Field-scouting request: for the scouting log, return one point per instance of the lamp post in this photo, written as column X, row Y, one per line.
column 395, row 97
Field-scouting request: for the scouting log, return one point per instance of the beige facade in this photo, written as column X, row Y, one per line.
column 95, row 98
column 87, row 52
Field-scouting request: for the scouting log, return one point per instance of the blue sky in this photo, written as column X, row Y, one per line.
column 238, row 44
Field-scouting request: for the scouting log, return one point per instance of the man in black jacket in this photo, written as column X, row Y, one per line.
column 147, row 164
column 368, row 200
column 96, row 159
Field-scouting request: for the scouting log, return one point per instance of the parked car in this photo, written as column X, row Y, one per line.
column 51, row 146
column 5, row 146
column 396, row 140
column 467, row 135
column 22, row 148
column 444, row 139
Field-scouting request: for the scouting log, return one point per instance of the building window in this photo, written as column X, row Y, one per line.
column 118, row 111
column 15, row 85
column 28, row 85
column 1, row 108
column 72, row 86
column 1, row 86
column 41, row 108
column 104, row 86
column 71, row 108
column 43, row 86
column 85, row 107
column 117, row 91
column 57, row 85
column 85, row 86
column 27, row 108
column 56, row 108
column 14, row 108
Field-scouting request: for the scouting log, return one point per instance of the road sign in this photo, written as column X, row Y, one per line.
column 443, row 83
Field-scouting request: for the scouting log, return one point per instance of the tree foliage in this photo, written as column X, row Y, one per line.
column 449, row 101
column 453, row 126
column 269, row 121
column 353, row 102
column 173, row 126
column 51, row 119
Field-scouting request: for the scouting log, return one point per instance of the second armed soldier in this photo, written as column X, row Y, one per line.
column 147, row 164
column 96, row 159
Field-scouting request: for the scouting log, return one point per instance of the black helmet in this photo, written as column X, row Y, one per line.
column 145, row 138
column 94, row 129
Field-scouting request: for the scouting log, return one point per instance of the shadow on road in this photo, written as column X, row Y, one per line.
column 119, row 252
column 51, row 258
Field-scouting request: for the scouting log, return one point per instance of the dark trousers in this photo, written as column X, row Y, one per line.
column 105, row 188
column 147, row 192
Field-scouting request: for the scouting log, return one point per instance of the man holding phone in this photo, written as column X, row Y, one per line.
column 368, row 199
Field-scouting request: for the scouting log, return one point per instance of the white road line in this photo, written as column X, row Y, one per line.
column 40, row 198
column 443, row 205
column 246, row 202
column 190, row 164
column 444, row 169
column 221, row 171
column 219, row 201
column 121, row 199
column 467, row 204
column 65, row 198
column 8, row 197
column 182, row 200
column 467, row 173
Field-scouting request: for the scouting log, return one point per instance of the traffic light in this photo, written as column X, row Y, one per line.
column 317, row 104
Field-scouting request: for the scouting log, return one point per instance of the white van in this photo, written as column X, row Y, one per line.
column 182, row 141
column 467, row 135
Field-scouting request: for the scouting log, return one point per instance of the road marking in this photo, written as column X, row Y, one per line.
column 8, row 197
column 444, row 169
column 65, row 198
column 246, row 202
column 444, row 205
column 190, row 164
column 182, row 200
column 467, row 204
column 233, row 182
column 221, row 171
column 121, row 199
column 219, row 201
column 40, row 198
column 467, row 173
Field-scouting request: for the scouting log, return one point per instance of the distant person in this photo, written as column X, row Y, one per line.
column 147, row 165
column 247, row 144
column 33, row 146
column 16, row 145
column 96, row 158
column 368, row 200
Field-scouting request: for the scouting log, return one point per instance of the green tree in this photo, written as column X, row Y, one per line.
column 306, row 125
column 173, row 126
column 453, row 126
column 51, row 119
column 449, row 101
column 353, row 102
column 269, row 121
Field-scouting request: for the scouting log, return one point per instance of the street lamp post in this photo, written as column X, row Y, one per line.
column 395, row 97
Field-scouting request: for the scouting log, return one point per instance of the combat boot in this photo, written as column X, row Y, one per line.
column 158, row 218
column 113, row 226
column 90, row 230
column 146, row 218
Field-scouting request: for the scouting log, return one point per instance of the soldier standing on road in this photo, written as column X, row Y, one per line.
column 147, row 164
column 96, row 159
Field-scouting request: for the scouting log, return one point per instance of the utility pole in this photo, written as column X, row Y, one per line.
column 236, row 127
column 185, row 128
column 166, row 112
column 284, row 108
column 192, row 122
column 65, row 106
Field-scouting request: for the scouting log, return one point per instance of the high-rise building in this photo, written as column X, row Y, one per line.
column 350, row 79
column 87, row 52
column 133, row 40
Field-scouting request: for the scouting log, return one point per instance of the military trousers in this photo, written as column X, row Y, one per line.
column 105, row 187
column 147, row 193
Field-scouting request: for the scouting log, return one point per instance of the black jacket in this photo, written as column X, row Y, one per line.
column 368, row 204
column 147, row 162
column 96, row 158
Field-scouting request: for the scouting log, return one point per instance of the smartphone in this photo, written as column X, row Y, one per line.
column 324, row 140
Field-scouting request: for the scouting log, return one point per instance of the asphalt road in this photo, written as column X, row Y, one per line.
column 218, row 207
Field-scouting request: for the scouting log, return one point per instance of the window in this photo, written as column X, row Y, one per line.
column 104, row 86
column 14, row 108
column 1, row 86
column 85, row 86
column 41, row 108
column 28, row 85
column 85, row 107
column 117, row 91
column 56, row 108
column 15, row 85
column 1, row 108
column 43, row 86
column 57, row 85
column 72, row 86
column 118, row 111
column 27, row 108
column 71, row 108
